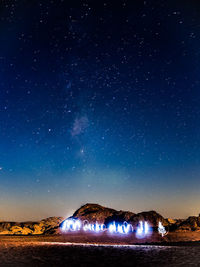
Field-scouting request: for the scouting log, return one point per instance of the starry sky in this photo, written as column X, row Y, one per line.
column 99, row 103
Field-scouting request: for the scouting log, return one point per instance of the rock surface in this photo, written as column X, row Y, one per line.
column 96, row 213
column 192, row 223
column 46, row 226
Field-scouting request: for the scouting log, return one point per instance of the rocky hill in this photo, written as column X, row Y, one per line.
column 192, row 223
column 96, row 213
column 46, row 226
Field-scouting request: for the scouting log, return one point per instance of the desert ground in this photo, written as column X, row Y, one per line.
column 95, row 250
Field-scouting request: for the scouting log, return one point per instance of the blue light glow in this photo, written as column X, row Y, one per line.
column 143, row 230
column 146, row 228
column 124, row 228
column 71, row 225
column 93, row 227
column 161, row 229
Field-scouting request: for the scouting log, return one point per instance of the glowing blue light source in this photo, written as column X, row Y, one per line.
column 143, row 229
column 112, row 228
column 161, row 229
column 146, row 228
column 99, row 227
column 124, row 228
column 71, row 225
column 140, row 228
column 127, row 228
column 93, row 227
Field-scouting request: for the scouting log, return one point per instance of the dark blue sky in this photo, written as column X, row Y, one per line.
column 99, row 103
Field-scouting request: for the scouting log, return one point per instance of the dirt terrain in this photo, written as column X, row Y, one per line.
column 94, row 250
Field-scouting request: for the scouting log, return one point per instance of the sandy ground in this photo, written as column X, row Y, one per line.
column 91, row 250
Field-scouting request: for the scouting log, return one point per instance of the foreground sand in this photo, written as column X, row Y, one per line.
column 94, row 250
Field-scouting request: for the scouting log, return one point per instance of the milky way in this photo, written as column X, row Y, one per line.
column 99, row 103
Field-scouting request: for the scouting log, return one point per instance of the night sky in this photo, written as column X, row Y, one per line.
column 100, row 102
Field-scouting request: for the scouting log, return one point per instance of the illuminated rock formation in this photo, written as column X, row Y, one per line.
column 95, row 212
